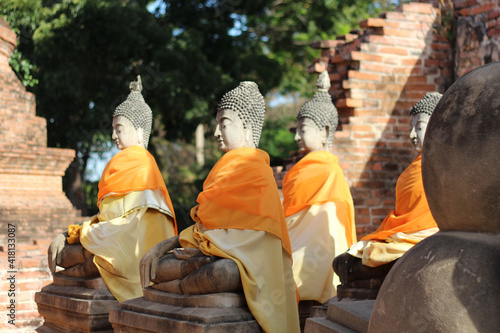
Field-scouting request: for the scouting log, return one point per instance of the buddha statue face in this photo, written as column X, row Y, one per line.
column 419, row 118
column 418, row 125
column 309, row 136
column 125, row 134
column 231, row 132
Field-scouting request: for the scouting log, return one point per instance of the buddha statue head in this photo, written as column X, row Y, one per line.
column 419, row 118
column 317, row 119
column 240, row 116
column 132, row 119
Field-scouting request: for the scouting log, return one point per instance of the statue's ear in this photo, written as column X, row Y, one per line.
column 325, row 133
column 249, row 133
column 140, row 135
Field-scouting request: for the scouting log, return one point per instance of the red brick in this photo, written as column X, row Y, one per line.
column 464, row 3
column 360, row 128
column 361, row 212
column 421, row 8
column 494, row 32
column 32, row 263
column 368, row 184
column 372, row 22
column 365, row 56
column 408, row 70
column 400, row 32
column 375, row 67
column 30, row 286
column 363, row 136
column 357, row 175
column 411, row 62
column 494, row 14
column 440, row 46
column 410, row 17
column 482, row 9
column 363, row 76
column 395, row 41
column 389, row 87
column 368, row 112
column 391, row 60
column 465, row 12
column 393, row 50
column 33, row 275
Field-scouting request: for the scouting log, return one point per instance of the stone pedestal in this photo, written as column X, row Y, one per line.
column 346, row 316
column 305, row 311
column 356, row 293
column 159, row 311
column 75, row 305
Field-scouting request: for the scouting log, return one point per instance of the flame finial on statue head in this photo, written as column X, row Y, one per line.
column 136, row 85
column 323, row 83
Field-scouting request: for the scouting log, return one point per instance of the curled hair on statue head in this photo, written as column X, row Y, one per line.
column 427, row 104
column 247, row 101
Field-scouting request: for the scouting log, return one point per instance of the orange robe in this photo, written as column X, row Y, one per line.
column 135, row 213
column 132, row 169
column 409, row 223
column 314, row 180
column 240, row 217
column 320, row 215
column 412, row 211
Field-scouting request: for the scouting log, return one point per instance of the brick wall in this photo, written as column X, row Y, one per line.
column 477, row 34
column 31, row 197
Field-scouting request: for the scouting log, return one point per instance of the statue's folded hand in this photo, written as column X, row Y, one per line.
column 55, row 249
column 149, row 263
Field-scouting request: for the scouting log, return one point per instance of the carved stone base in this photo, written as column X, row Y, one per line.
column 344, row 316
column 159, row 311
column 305, row 311
column 75, row 305
column 356, row 293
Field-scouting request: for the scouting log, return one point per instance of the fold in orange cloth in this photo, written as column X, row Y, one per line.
column 314, row 180
column 240, row 193
column 133, row 169
column 412, row 211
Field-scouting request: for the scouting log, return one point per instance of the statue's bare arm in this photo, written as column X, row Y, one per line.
column 149, row 262
column 55, row 248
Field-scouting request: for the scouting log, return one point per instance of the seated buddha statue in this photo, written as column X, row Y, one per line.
column 368, row 261
column 317, row 201
column 135, row 210
column 240, row 238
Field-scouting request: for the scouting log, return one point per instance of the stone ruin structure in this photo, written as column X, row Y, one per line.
column 32, row 202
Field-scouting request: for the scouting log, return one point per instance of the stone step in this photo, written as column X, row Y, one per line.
column 323, row 325
column 354, row 315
